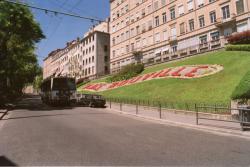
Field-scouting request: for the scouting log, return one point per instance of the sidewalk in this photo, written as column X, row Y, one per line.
column 183, row 119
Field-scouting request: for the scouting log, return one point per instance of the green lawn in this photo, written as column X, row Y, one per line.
column 210, row 90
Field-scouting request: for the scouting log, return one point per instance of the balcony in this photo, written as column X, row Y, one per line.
column 172, row 39
column 222, row 22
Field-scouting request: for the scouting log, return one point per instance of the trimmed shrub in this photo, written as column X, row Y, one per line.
column 127, row 72
column 245, row 47
column 81, row 82
column 240, row 38
column 242, row 91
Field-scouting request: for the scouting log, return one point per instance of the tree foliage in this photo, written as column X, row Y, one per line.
column 19, row 33
column 242, row 91
column 127, row 72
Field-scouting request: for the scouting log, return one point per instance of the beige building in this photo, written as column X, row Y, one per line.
column 163, row 30
column 85, row 58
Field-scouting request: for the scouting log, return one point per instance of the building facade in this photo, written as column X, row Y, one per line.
column 163, row 30
column 85, row 58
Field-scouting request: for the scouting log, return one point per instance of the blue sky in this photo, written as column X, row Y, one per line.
column 60, row 29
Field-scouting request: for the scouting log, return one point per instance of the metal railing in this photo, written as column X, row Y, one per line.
column 241, row 120
column 199, row 111
column 184, row 106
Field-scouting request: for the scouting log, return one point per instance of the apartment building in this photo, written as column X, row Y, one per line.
column 85, row 58
column 163, row 30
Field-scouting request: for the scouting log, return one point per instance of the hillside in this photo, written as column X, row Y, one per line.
column 212, row 89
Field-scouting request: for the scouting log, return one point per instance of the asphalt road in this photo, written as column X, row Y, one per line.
column 34, row 134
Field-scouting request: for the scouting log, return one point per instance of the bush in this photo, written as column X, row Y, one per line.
column 127, row 72
column 240, row 38
column 242, row 91
column 81, row 82
column 238, row 47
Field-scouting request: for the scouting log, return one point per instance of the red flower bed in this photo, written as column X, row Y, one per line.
column 177, row 73
column 192, row 72
column 147, row 76
column 164, row 73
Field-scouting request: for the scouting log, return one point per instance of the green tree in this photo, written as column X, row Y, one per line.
column 19, row 33
column 138, row 56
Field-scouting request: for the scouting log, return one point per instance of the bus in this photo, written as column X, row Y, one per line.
column 58, row 90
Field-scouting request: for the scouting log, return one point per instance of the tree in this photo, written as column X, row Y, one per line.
column 242, row 90
column 137, row 56
column 19, row 33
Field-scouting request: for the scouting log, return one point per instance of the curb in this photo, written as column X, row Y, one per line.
column 224, row 132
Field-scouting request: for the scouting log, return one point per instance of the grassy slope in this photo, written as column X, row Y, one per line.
column 212, row 89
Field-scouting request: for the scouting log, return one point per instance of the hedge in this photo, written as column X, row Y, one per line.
column 127, row 72
column 240, row 38
column 245, row 47
column 242, row 91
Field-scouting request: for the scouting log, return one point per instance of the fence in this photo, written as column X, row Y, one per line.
column 243, row 118
column 219, row 108
column 214, row 113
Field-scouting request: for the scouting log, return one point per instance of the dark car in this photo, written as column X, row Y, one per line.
column 84, row 99
column 90, row 100
column 97, row 101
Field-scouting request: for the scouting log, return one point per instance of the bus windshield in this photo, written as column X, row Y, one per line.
column 64, row 84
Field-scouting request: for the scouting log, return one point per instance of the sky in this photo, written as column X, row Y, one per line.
column 60, row 29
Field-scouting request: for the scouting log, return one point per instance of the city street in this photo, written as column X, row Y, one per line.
column 35, row 134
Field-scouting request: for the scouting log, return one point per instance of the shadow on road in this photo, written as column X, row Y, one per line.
column 34, row 103
column 6, row 162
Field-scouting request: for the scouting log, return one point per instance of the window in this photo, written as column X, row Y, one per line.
column 165, row 35
column 164, row 18
column 182, row 28
column 240, row 6
column 143, row 13
column 132, row 32
column 225, row 12
column 215, row 35
column 157, row 22
column 173, row 32
column 213, row 17
column 143, row 27
column 105, row 48
column 150, row 25
column 113, row 53
column 191, row 25
column 149, row 9
column 127, row 48
column 163, row 2
column 181, row 10
column 127, row 34
column 174, row 48
column 202, row 21
column 156, row 5
column 132, row 47
column 150, row 40
column 157, row 37
column 144, row 42
column 190, row 5
column 203, row 39
column 200, row 3
column 172, row 13
column 138, row 44
column 137, row 30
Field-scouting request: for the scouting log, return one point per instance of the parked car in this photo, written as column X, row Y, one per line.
column 83, row 99
column 97, row 101
column 90, row 100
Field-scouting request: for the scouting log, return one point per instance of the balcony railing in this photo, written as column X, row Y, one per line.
column 222, row 21
column 172, row 39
